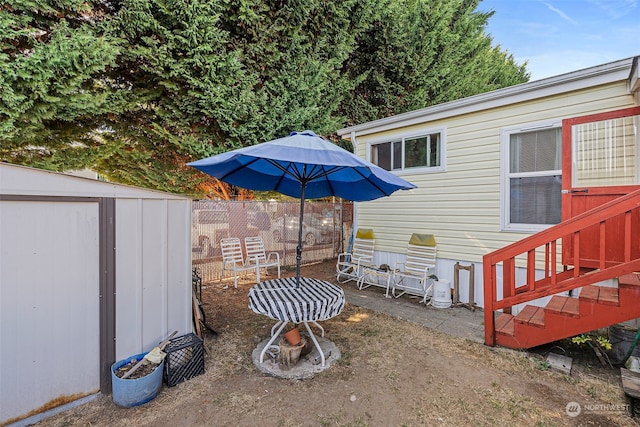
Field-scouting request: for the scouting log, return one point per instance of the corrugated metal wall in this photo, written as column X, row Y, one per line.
column 152, row 249
column 65, row 290
column 49, row 304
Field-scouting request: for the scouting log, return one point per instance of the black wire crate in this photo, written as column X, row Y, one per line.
column 184, row 359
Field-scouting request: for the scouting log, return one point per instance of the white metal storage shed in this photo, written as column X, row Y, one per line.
column 90, row 273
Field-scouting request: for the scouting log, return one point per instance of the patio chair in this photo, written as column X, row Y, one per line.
column 349, row 265
column 420, row 263
column 233, row 259
column 258, row 258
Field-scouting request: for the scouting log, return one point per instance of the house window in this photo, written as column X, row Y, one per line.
column 605, row 152
column 422, row 151
column 532, row 183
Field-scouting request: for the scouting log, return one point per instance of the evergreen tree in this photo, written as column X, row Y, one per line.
column 51, row 94
column 134, row 89
column 419, row 53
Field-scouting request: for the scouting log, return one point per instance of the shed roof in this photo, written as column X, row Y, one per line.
column 22, row 180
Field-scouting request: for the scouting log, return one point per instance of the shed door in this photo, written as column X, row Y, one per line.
column 49, row 305
column 601, row 162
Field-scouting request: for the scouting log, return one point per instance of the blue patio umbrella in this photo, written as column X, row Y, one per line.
column 306, row 166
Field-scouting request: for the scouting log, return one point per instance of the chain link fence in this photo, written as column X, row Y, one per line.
column 326, row 228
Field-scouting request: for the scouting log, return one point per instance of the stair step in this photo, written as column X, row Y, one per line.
column 632, row 279
column 600, row 295
column 564, row 317
column 504, row 324
column 608, row 296
column 589, row 293
column 531, row 315
column 565, row 306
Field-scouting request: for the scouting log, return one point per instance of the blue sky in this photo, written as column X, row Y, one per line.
column 560, row 36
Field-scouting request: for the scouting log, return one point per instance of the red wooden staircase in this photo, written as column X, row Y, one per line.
column 547, row 278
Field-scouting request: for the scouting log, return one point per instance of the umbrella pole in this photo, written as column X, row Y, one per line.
column 299, row 248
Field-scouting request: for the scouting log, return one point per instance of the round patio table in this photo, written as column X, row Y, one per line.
column 282, row 300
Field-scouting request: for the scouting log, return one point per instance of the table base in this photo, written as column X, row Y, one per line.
column 308, row 366
column 280, row 326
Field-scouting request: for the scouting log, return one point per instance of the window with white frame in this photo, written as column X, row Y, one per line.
column 416, row 151
column 532, row 177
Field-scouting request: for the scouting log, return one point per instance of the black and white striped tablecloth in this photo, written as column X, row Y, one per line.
column 280, row 299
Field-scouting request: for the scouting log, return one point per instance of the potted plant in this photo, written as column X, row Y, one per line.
column 293, row 337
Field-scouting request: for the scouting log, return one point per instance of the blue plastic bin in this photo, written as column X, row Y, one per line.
column 134, row 392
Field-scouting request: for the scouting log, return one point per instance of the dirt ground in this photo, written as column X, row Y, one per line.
column 392, row 373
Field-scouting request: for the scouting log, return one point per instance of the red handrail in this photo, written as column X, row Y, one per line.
column 557, row 277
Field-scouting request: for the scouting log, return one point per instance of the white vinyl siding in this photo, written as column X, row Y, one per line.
column 462, row 206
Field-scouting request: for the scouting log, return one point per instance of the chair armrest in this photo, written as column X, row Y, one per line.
column 361, row 261
column 428, row 271
column 344, row 257
column 276, row 254
column 229, row 262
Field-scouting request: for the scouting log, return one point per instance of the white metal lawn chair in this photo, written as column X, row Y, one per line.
column 233, row 259
column 420, row 263
column 349, row 264
column 258, row 258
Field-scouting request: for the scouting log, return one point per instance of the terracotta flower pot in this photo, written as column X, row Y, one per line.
column 293, row 336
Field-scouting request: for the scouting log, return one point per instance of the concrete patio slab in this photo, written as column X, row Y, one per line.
column 456, row 321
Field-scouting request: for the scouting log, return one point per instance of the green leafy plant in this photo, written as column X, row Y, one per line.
column 601, row 341
column 600, row 345
column 543, row 365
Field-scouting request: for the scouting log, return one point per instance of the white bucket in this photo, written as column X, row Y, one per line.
column 441, row 294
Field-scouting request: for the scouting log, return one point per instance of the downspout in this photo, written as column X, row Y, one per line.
column 633, row 82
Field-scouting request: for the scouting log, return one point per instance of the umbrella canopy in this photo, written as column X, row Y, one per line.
column 302, row 165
